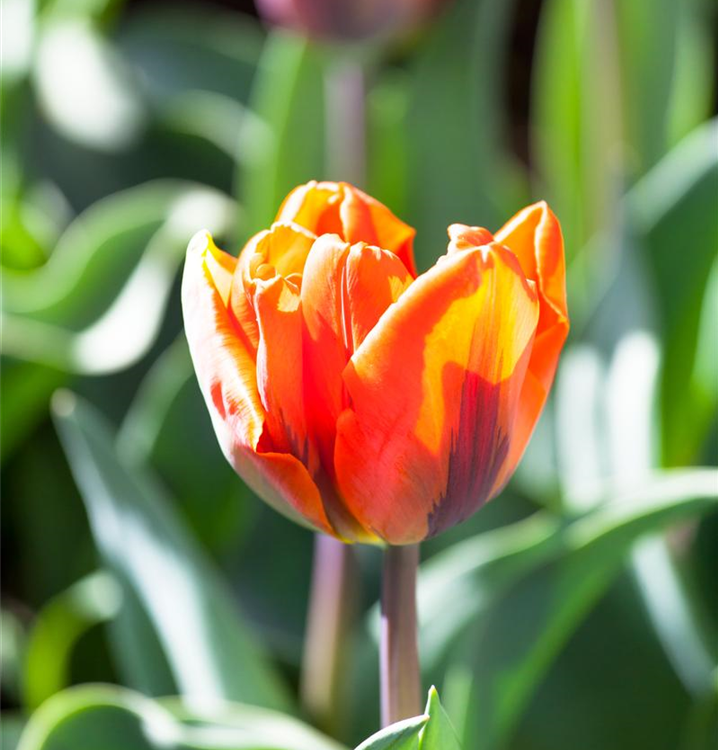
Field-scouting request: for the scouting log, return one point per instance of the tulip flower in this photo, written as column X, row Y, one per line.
column 347, row 19
column 360, row 398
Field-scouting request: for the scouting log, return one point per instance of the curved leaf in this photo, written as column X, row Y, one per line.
column 211, row 654
column 112, row 718
column 94, row 599
column 124, row 250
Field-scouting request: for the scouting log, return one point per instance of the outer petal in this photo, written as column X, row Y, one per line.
column 225, row 369
column 340, row 208
column 279, row 367
column 434, row 391
column 534, row 236
column 325, row 346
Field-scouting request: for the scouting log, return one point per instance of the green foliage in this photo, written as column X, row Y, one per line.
column 208, row 649
column 125, row 130
column 59, row 625
column 113, row 718
column 288, row 138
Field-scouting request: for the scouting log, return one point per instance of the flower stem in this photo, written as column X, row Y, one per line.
column 331, row 605
column 399, row 656
column 345, row 94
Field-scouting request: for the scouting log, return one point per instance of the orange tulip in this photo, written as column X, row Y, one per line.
column 357, row 397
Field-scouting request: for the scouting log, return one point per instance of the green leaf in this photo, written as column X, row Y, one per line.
column 577, row 139
column 455, row 100
column 12, row 654
column 209, row 650
column 438, row 734
column 648, row 67
column 167, row 427
column 26, row 390
column 512, row 652
column 112, row 718
column 673, row 207
column 287, row 143
column 12, row 725
column 403, row 735
column 86, row 89
column 116, row 262
column 59, row 625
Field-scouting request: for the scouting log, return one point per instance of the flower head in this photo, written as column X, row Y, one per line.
column 357, row 397
column 347, row 19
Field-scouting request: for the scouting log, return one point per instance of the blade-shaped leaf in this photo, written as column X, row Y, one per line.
column 438, row 734
column 210, row 652
column 455, row 95
column 61, row 622
column 672, row 207
column 98, row 303
column 288, row 99
column 113, row 718
column 513, row 652
column 403, row 735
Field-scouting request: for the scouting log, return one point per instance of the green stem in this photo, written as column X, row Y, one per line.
column 399, row 655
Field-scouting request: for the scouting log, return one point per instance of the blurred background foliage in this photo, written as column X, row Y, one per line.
column 580, row 609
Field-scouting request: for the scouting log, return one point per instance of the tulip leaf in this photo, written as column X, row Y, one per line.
column 113, row 718
column 648, row 69
column 167, row 426
column 25, row 390
column 96, row 306
column 438, row 734
column 193, row 49
column 207, row 647
column 673, row 207
column 456, row 159
column 558, row 571
column 577, row 139
column 403, row 735
column 61, row 622
column 430, row 731
column 12, row 725
column 288, row 99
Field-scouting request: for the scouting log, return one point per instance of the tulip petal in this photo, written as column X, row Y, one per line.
column 366, row 220
column 534, row 236
column 373, row 280
column 324, row 340
column 434, row 392
column 279, row 367
column 226, row 372
column 340, row 208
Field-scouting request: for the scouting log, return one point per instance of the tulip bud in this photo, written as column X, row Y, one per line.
column 357, row 397
column 347, row 20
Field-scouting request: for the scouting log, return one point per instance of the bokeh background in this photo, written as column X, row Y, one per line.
column 577, row 610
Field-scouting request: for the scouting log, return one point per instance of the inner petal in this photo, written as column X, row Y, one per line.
column 345, row 291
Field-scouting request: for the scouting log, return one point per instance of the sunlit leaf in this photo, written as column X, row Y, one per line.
column 673, row 207
column 59, row 625
column 512, row 653
column 112, row 273
column 87, row 91
column 287, row 144
column 211, row 654
column 112, row 718
column 438, row 734
column 457, row 163
column 577, row 136
column 404, row 735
